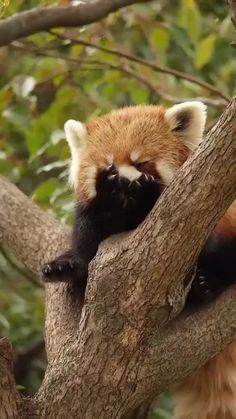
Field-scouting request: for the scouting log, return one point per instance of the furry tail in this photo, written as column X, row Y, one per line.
column 211, row 392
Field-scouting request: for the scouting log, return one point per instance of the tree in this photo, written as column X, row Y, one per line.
column 118, row 350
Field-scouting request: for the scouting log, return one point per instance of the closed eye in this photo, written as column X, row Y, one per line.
column 141, row 164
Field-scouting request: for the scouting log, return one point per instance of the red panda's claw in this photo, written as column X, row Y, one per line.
column 135, row 184
column 111, row 177
column 47, row 269
column 63, row 270
column 111, row 170
column 146, row 178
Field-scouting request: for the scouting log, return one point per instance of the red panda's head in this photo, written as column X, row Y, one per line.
column 135, row 139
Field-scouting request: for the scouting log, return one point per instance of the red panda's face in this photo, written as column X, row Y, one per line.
column 135, row 140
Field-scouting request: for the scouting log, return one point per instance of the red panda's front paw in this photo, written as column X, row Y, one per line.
column 108, row 182
column 146, row 186
column 200, row 291
column 63, row 270
column 146, row 179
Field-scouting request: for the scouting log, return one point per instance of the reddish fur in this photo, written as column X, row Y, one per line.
column 136, row 128
column 227, row 226
column 210, row 392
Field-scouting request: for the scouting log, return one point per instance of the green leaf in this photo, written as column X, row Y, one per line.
column 5, row 98
column 139, row 95
column 204, row 51
column 181, row 40
column 159, row 38
column 44, row 191
column 189, row 18
column 4, row 322
column 51, row 166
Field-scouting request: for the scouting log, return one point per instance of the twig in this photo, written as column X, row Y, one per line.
column 103, row 65
column 21, row 271
column 153, row 66
column 217, row 103
column 43, row 19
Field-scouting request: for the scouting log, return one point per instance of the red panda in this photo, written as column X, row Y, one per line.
column 121, row 163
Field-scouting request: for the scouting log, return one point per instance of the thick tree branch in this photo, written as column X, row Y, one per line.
column 31, row 233
column 198, row 336
column 119, row 346
column 36, row 20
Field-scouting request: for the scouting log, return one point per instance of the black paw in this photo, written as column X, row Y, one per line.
column 108, row 182
column 200, row 291
column 112, row 189
column 146, row 184
column 64, row 270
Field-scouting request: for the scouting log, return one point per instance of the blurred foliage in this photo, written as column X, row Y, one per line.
column 44, row 80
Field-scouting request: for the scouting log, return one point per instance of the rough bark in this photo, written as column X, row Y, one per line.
column 130, row 341
column 36, row 20
column 8, row 393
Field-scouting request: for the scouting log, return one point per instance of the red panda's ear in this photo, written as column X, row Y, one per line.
column 76, row 134
column 187, row 122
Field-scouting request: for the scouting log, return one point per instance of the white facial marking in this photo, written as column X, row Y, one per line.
column 129, row 172
column 134, row 155
column 166, row 170
column 110, row 158
column 91, row 182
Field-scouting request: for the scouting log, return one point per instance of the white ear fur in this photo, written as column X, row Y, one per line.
column 187, row 121
column 75, row 134
column 76, row 137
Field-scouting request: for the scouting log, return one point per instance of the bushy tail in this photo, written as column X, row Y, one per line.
column 211, row 392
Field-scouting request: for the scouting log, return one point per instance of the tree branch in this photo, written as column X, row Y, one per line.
column 100, row 65
column 32, row 234
column 36, row 20
column 8, row 393
column 221, row 102
column 146, row 63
